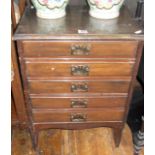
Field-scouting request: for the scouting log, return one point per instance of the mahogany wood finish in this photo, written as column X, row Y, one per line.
column 76, row 126
column 77, row 18
column 117, row 135
column 56, row 102
column 74, row 87
column 14, row 117
column 64, row 49
column 78, row 81
column 91, row 115
column 18, row 108
column 17, row 91
column 47, row 68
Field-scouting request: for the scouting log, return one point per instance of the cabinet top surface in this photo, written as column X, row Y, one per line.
column 77, row 24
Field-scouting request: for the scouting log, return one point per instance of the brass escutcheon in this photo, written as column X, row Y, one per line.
column 80, row 49
column 79, row 87
column 80, row 70
column 79, row 103
column 79, row 117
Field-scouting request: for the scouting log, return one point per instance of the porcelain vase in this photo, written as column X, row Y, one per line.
column 50, row 9
column 105, row 9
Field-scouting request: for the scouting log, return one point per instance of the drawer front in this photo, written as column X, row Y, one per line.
column 49, row 87
column 125, row 49
column 74, row 69
column 77, row 102
column 104, row 114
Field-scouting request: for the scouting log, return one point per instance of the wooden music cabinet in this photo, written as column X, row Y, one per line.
column 78, row 72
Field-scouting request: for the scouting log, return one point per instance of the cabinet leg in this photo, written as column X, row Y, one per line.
column 117, row 132
column 35, row 141
column 34, row 137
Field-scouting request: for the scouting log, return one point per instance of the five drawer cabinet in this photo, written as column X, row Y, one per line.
column 77, row 81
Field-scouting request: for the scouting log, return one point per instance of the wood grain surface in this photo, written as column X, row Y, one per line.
column 17, row 89
column 90, row 102
column 45, row 73
column 37, row 87
column 97, row 141
column 109, row 49
column 45, row 68
column 92, row 115
column 77, row 18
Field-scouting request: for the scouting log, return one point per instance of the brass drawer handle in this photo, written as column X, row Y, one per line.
column 79, row 87
column 81, row 70
column 80, row 49
column 78, row 117
column 79, row 103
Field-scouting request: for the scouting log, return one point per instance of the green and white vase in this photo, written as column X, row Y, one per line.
column 50, row 9
column 105, row 9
